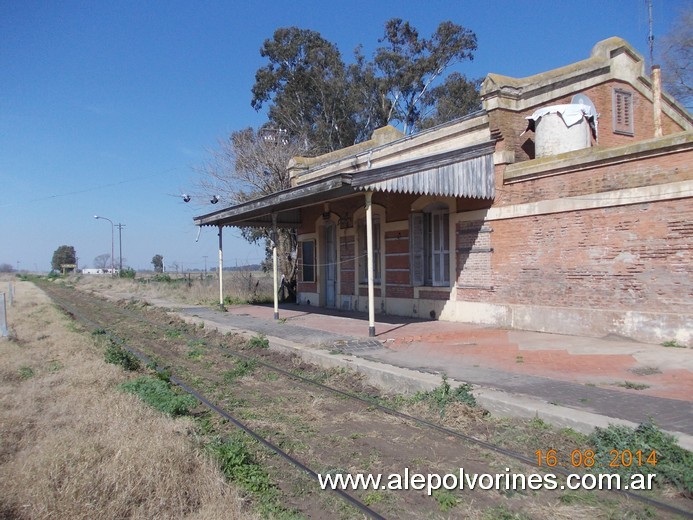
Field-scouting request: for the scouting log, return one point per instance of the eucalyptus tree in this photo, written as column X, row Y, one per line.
column 456, row 97
column 305, row 85
column 316, row 103
column 409, row 65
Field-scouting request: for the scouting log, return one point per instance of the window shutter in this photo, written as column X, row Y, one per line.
column 361, row 248
column 416, row 248
column 623, row 111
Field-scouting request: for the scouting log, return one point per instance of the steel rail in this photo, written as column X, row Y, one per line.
column 422, row 422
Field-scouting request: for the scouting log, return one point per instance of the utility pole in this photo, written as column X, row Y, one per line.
column 120, row 243
column 205, row 257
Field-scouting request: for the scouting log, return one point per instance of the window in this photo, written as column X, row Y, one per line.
column 430, row 246
column 363, row 259
column 308, row 260
column 622, row 111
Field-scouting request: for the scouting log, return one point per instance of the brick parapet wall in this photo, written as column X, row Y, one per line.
column 595, row 178
column 511, row 124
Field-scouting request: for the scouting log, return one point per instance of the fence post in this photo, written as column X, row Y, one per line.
column 11, row 293
column 3, row 316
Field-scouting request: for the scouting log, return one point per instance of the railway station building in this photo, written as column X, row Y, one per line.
column 564, row 205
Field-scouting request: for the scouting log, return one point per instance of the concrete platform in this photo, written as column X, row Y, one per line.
column 573, row 381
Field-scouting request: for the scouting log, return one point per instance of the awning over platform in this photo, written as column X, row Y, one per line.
column 464, row 173
column 468, row 172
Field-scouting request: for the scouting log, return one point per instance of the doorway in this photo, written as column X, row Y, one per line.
column 330, row 264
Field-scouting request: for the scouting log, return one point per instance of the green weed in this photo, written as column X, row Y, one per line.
column 260, row 341
column 443, row 395
column 672, row 344
column 54, row 365
column 615, row 445
column 374, row 497
column 117, row 355
column 240, row 369
column 26, row 372
column 234, row 300
column 197, row 349
column 173, row 333
column 240, row 466
column 446, row 500
column 160, row 395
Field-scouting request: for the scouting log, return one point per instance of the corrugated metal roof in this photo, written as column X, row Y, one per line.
column 466, row 172
column 468, row 178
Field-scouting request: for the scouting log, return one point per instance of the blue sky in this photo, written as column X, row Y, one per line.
column 107, row 107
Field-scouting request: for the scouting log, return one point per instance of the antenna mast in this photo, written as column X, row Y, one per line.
column 650, row 37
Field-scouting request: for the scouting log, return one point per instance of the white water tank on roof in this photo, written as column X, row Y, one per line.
column 561, row 128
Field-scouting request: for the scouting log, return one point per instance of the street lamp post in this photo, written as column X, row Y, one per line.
column 112, row 264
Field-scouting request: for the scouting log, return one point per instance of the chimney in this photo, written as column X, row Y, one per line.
column 657, row 99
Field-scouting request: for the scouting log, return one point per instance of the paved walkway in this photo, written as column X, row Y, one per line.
column 613, row 377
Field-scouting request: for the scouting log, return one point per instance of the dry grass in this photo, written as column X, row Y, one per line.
column 239, row 286
column 73, row 446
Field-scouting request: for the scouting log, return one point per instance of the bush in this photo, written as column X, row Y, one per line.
column 128, row 272
column 161, row 278
column 160, row 395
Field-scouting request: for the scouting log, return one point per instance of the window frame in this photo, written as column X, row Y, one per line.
column 426, row 258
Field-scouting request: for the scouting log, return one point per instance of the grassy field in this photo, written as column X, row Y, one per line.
column 239, row 287
column 73, row 446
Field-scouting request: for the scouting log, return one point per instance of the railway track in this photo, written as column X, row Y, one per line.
column 440, row 446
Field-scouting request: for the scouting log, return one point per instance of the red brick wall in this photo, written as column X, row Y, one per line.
column 644, row 172
column 473, row 254
column 397, row 258
column 635, row 257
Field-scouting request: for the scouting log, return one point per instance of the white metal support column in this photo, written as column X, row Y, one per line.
column 274, row 265
column 369, row 260
column 221, row 271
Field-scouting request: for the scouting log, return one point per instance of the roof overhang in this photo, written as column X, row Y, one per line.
column 468, row 172
column 284, row 204
column 460, row 173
